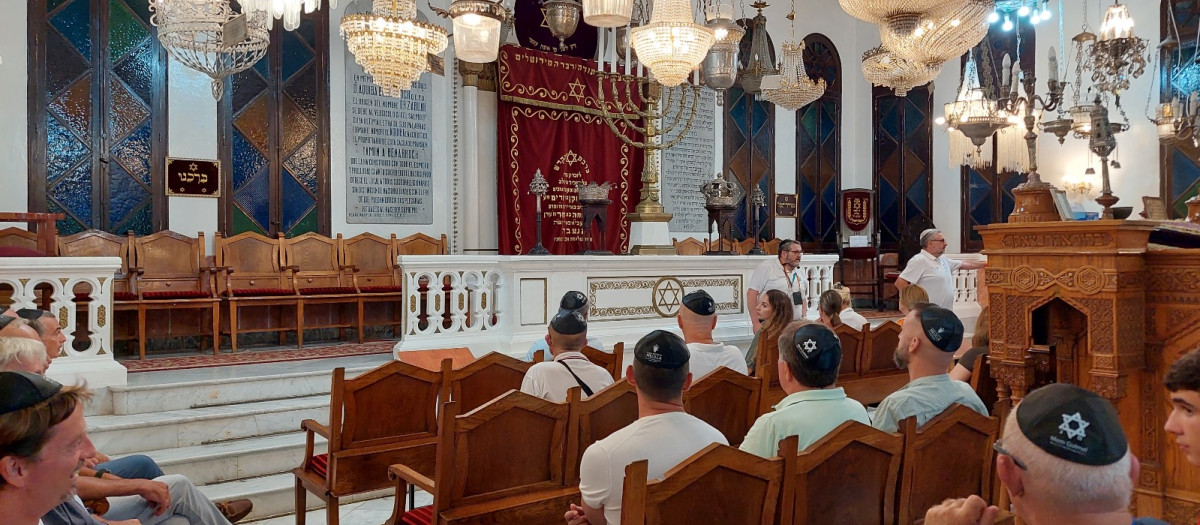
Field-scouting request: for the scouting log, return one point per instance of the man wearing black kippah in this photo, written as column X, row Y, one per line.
column 572, row 300
column 1063, row 459
column 663, row 434
column 926, row 348
column 550, row 380
column 696, row 319
column 809, row 358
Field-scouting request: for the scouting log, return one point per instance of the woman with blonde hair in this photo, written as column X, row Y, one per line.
column 909, row 297
column 848, row 315
column 774, row 309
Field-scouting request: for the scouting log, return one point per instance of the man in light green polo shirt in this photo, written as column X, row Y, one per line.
column 809, row 357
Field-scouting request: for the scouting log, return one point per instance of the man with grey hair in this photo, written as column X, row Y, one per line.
column 934, row 272
column 23, row 354
column 1064, row 459
column 779, row 274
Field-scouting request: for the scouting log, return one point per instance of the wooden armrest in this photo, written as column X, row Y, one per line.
column 311, row 425
column 217, row 269
column 411, row 476
column 137, row 269
column 350, row 267
column 292, row 268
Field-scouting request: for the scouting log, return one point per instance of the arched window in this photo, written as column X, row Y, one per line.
column 819, row 150
column 1179, row 162
column 903, row 164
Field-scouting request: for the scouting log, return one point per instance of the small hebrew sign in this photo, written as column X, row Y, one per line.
column 193, row 177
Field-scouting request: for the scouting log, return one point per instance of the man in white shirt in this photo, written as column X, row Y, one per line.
column 550, row 380
column 934, row 272
column 848, row 316
column 779, row 274
column 663, row 434
column 696, row 319
column 572, row 300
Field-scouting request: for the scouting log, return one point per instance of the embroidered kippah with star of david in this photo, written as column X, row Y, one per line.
column 662, row 349
column 819, row 349
column 1074, row 424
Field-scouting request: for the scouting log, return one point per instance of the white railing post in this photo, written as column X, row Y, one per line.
column 471, row 304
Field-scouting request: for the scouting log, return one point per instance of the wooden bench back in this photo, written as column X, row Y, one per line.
column 612, row 408
column 375, row 259
column 421, row 244
column 852, row 350
column 99, row 243
column 609, row 361
column 771, row 247
column 719, row 484
column 950, row 456
column 690, row 246
column 392, row 403
column 729, row 401
column 318, row 259
column 483, row 379
column 879, row 345
column 14, row 237
column 984, row 384
column 478, row 462
column 169, row 262
column 256, row 260
column 850, row 476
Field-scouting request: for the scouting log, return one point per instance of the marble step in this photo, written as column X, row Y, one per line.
column 144, row 399
column 274, row 495
column 127, row 434
column 236, row 459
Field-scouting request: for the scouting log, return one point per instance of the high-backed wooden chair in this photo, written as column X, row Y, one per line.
column 99, row 243
column 385, row 416
column 14, row 237
column 728, row 400
column 610, row 361
column 950, row 456
column 612, row 408
column 376, row 275
column 482, row 380
column 879, row 345
column 850, row 477
column 771, row 247
column 254, row 275
column 421, row 244
column 170, row 273
column 690, row 246
column 718, row 485
column 984, row 384
column 325, row 282
column 744, row 246
column 852, row 350
column 481, row 477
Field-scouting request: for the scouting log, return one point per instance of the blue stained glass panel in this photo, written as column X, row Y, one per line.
column 918, row 192
column 63, row 64
column 139, row 8
column 979, row 190
column 255, row 198
column 67, row 225
column 914, row 117
column 247, row 161
column 761, row 115
column 74, row 192
column 137, row 70
column 125, row 31
column 134, row 153
column 763, row 142
column 810, row 224
column 125, row 194
column 75, row 23
column 63, row 149
column 827, row 123
column 296, row 201
column 1007, row 202
column 263, row 67
column 139, row 223
column 246, row 86
column 737, row 109
column 981, row 215
column 1184, row 173
column 303, row 91
column 303, row 164
column 307, row 31
column 296, row 55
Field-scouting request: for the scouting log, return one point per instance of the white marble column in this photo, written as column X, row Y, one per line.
column 468, row 127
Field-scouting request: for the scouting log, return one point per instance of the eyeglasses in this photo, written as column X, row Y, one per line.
column 1000, row 449
column 796, row 251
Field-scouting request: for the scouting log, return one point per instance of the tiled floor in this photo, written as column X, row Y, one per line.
column 370, row 512
column 239, row 371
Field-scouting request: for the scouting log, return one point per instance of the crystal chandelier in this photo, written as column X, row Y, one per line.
column 796, row 89
column 391, row 44
column 672, row 44
column 899, row 16
column 1007, row 10
column 760, row 64
column 1117, row 55
column 288, row 10
column 940, row 38
column 719, row 71
column 208, row 36
column 883, row 68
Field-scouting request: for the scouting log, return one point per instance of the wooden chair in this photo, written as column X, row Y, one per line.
column 254, row 275
column 98, row 243
column 482, row 380
column 376, row 275
column 481, row 477
column 879, row 345
column 612, row 408
column 744, row 246
column 324, row 282
column 850, row 477
column 852, row 349
column 771, row 247
column 610, row 361
column 729, row 401
column 420, row 244
column 14, row 237
column 171, row 274
column 950, row 456
column 718, row 485
column 690, row 246
column 984, row 384
column 384, row 416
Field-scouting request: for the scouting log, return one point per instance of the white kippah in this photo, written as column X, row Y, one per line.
column 925, row 235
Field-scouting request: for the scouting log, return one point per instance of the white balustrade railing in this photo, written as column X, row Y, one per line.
column 464, row 299
column 62, row 276
column 818, row 272
column 966, row 289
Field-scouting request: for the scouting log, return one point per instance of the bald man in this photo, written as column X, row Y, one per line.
column 13, row 326
column 696, row 319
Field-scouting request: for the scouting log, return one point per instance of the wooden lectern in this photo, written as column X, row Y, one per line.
column 1090, row 303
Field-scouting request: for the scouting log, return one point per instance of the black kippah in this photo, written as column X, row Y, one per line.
column 21, row 390
column 568, row 322
column 942, row 327
column 700, row 302
column 1074, row 424
column 573, row 300
column 820, row 349
column 662, row 349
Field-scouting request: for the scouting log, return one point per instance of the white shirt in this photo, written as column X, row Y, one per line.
column 852, row 318
column 550, row 381
column 663, row 439
column 708, row 357
column 935, row 275
column 541, row 344
column 770, row 276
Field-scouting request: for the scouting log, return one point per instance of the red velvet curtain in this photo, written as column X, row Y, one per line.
column 550, row 120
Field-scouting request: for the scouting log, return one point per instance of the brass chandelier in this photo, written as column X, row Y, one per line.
column 881, row 67
column 391, row 44
column 1117, row 55
column 898, row 16
column 796, row 89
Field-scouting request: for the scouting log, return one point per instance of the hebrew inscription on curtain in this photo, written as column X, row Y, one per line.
column 550, row 120
column 690, row 163
column 389, row 152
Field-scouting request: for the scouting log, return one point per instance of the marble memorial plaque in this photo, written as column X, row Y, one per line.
column 689, row 164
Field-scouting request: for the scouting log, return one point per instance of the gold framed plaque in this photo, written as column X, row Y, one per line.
column 193, row 177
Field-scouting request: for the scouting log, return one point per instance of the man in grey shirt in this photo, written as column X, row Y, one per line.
column 928, row 340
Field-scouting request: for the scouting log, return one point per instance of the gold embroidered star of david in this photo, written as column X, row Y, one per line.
column 577, row 89
column 545, row 19
column 667, row 296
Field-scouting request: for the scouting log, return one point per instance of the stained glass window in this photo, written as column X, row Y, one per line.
column 103, row 110
column 750, row 147
column 819, row 151
column 903, row 164
column 1180, row 161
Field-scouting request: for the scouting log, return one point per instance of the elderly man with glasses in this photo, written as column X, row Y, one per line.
column 779, row 275
column 932, row 271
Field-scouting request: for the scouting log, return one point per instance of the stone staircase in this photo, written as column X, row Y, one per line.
column 234, row 437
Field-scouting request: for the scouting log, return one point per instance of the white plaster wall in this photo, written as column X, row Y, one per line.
column 14, row 76
column 192, row 134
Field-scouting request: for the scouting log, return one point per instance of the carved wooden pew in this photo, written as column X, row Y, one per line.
column 878, row 373
column 324, row 281
column 612, row 408
column 376, row 275
column 852, row 350
column 728, row 400
column 482, row 380
column 254, row 275
column 950, row 456
column 850, row 477
column 170, row 273
column 690, row 246
column 385, row 416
